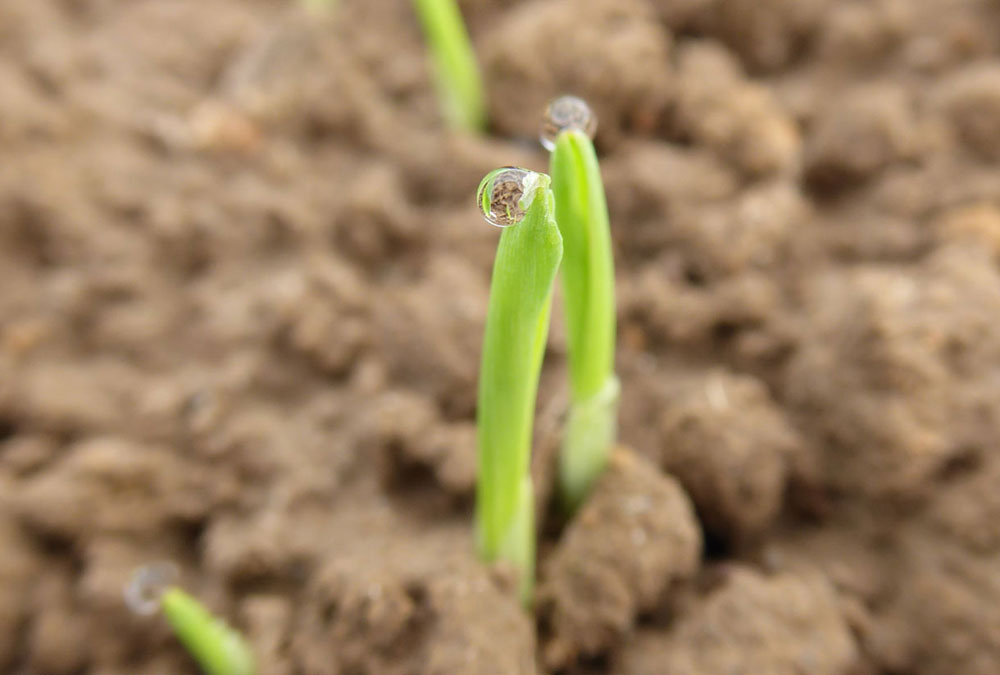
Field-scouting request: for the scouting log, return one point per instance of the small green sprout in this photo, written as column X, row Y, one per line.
column 456, row 72
column 319, row 7
column 517, row 325
column 589, row 294
column 217, row 648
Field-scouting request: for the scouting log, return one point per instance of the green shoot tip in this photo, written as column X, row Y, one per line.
column 566, row 113
column 506, row 194
column 147, row 586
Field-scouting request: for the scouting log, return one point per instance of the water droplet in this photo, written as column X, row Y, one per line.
column 142, row 594
column 505, row 194
column 564, row 113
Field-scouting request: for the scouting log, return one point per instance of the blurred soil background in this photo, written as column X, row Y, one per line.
column 242, row 289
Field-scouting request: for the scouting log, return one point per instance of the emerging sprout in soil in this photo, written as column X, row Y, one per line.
column 319, row 6
column 517, row 324
column 589, row 292
column 217, row 648
column 148, row 583
column 455, row 70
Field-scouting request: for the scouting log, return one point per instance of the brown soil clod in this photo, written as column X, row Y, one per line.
column 633, row 538
column 878, row 440
column 859, row 136
column 740, row 120
column 946, row 605
column 732, row 449
column 527, row 68
column 752, row 624
column 373, row 610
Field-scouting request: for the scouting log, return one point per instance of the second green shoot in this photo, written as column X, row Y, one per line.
column 589, row 296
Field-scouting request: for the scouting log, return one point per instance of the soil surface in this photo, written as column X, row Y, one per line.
column 242, row 290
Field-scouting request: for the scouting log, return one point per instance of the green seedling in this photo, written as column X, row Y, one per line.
column 517, row 325
column 588, row 279
column 217, row 648
column 456, row 73
column 319, row 7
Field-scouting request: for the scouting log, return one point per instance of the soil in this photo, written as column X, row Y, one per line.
column 242, row 290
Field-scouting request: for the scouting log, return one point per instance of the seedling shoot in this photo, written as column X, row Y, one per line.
column 217, row 648
column 517, row 324
column 319, row 7
column 588, row 279
column 456, row 72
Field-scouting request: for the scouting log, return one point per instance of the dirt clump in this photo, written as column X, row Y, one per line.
column 681, row 14
column 769, row 34
column 434, row 349
column 321, row 316
column 944, row 615
column 879, row 441
column 108, row 485
column 57, row 643
column 739, row 119
column 732, row 449
column 268, row 618
column 784, row 624
column 976, row 224
column 633, row 539
column 859, row 136
column 970, row 100
column 541, row 50
column 409, row 434
column 18, row 572
column 375, row 610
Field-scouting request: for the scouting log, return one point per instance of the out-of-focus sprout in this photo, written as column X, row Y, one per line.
column 456, row 72
column 319, row 6
column 217, row 648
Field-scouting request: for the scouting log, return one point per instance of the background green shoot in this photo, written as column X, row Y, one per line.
column 456, row 72
column 217, row 648
column 589, row 297
column 319, row 7
column 517, row 325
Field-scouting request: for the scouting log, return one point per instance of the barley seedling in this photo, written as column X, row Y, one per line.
column 517, row 326
column 588, row 279
column 456, row 72
column 319, row 7
column 217, row 648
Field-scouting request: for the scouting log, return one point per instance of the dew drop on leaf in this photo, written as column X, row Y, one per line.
column 142, row 594
column 505, row 194
column 566, row 113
